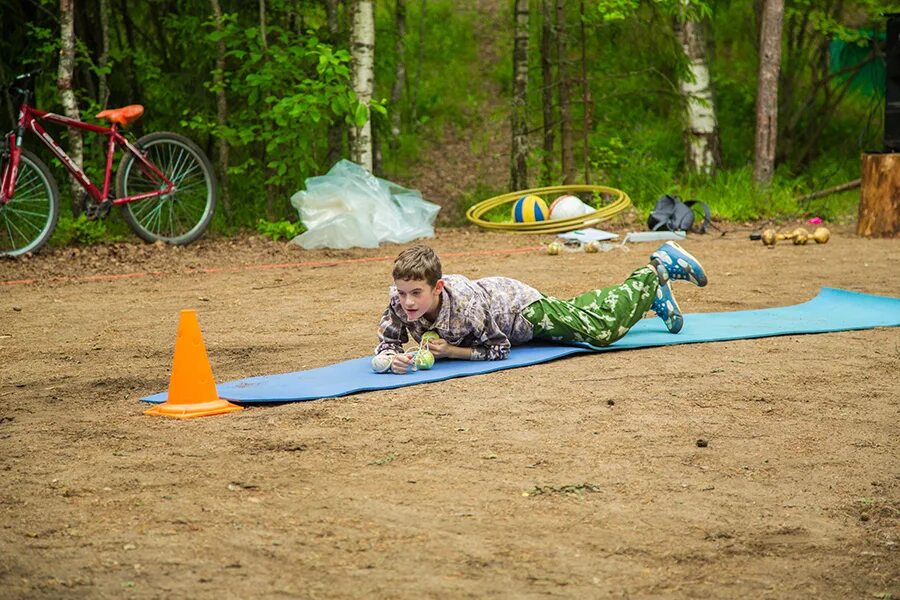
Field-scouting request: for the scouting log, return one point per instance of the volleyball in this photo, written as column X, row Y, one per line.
column 529, row 209
column 568, row 206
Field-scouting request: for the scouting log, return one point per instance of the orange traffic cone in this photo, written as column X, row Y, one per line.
column 192, row 389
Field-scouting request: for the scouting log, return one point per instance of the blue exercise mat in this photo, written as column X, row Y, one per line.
column 831, row 310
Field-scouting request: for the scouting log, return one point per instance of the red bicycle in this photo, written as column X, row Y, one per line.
column 165, row 185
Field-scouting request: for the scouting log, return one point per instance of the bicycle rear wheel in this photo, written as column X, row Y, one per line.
column 28, row 219
column 177, row 218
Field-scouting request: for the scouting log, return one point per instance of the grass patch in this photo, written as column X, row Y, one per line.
column 276, row 230
column 575, row 489
column 384, row 461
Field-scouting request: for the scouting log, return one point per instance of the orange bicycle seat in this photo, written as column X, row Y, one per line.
column 124, row 115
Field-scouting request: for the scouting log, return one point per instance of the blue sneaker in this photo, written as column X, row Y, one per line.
column 678, row 263
column 667, row 309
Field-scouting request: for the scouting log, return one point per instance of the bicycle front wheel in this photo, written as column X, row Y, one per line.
column 177, row 218
column 27, row 220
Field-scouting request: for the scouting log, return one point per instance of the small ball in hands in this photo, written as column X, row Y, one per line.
column 381, row 363
column 429, row 336
column 424, row 359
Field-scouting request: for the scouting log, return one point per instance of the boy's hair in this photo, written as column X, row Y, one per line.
column 418, row 262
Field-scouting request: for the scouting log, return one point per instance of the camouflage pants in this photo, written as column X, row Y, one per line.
column 599, row 317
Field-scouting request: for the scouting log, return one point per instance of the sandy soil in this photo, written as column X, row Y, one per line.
column 579, row 478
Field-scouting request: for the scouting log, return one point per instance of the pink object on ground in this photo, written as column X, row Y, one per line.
column 815, row 221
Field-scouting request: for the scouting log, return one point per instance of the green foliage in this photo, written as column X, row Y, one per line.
column 80, row 230
column 296, row 85
column 822, row 18
column 44, row 44
column 637, row 141
column 277, row 230
column 732, row 196
column 479, row 193
column 607, row 153
column 610, row 11
column 439, row 56
column 615, row 10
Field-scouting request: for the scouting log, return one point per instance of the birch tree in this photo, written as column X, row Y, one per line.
column 767, row 91
column 701, row 130
column 518, row 120
column 362, row 49
column 67, row 94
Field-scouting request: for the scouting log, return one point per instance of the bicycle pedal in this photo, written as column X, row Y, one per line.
column 93, row 210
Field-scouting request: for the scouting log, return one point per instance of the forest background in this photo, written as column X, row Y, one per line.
column 266, row 89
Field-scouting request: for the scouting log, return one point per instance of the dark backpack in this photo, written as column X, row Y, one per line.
column 673, row 214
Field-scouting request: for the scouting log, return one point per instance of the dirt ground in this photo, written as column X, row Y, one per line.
column 578, row 478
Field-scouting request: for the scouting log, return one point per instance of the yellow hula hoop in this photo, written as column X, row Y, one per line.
column 621, row 202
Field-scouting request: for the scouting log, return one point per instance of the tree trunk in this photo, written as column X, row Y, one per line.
column 103, row 61
column 263, row 39
column 547, row 44
column 331, row 16
column 420, row 51
column 271, row 190
column 157, row 17
column 6, row 76
column 362, row 48
column 767, row 91
column 586, row 101
column 335, row 129
column 221, row 110
column 879, row 196
column 701, row 131
column 134, row 84
column 83, row 77
column 518, row 118
column 565, row 112
column 67, row 95
column 399, row 71
column 376, row 153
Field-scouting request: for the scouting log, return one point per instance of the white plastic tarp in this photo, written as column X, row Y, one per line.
column 349, row 207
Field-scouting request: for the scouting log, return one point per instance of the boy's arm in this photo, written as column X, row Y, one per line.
column 492, row 343
column 441, row 348
column 489, row 351
column 391, row 333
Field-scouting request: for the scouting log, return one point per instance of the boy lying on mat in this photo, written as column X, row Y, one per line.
column 481, row 319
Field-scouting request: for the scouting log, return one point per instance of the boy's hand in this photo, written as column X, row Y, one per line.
column 441, row 348
column 401, row 363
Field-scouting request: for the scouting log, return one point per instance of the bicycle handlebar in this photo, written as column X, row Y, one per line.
column 24, row 83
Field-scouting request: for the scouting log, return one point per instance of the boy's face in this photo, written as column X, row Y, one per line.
column 418, row 298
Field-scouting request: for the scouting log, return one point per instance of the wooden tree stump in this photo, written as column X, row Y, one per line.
column 879, row 196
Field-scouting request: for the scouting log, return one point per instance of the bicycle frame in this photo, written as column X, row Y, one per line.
column 30, row 118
